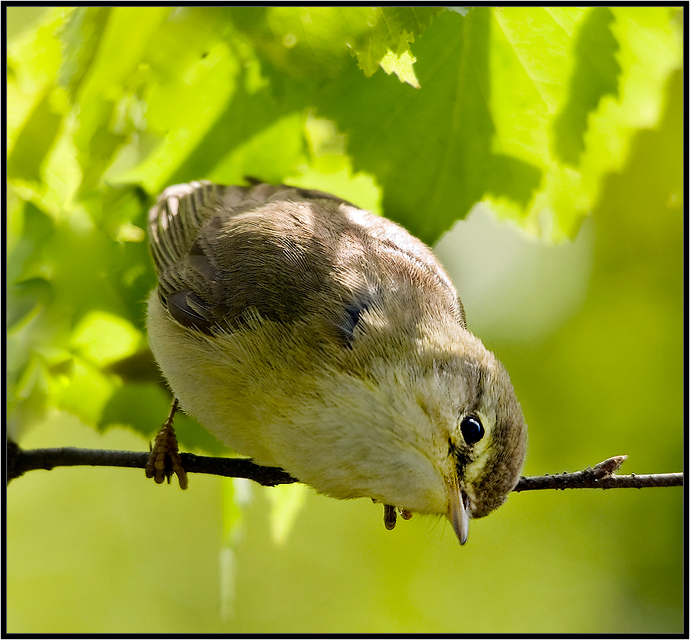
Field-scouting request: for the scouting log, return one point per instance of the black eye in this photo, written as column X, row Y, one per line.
column 472, row 429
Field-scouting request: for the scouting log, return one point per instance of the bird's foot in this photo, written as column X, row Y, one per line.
column 164, row 459
column 390, row 515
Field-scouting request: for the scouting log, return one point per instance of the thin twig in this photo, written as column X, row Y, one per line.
column 601, row 476
column 19, row 461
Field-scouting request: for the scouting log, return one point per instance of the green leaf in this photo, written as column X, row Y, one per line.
column 27, row 256
column 34, row 141
column 85, row 391
column 431, row 150
column 136, row 368
column 103, row 338
column 27, row 399
column 400, row 63
column 109, row 84
column 306, row 43
column 199, row 81
column 315, row 43
column 388, row 42
column 595, row 75
column 81, row 36
column 24, row 298
column 481, row 126
column 21, row 18
column 330, row 170
column 235, row 145
column 34, row 56
column 145, row 408
column 533, row 74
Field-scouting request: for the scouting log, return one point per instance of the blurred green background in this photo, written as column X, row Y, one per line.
column 578, row 288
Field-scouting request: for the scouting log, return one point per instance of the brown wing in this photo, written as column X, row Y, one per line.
column 218, row 251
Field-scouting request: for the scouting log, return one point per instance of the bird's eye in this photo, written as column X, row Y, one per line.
column 472, row 429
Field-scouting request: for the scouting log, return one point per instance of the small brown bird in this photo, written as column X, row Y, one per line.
column 311, row 335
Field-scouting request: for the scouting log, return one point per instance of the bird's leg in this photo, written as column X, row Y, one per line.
column 390, row 515
column 164, row 459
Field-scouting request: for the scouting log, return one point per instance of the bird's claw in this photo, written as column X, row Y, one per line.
column 164, row 457
column 390, row 515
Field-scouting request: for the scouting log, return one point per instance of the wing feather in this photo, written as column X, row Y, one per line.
column 184, row 229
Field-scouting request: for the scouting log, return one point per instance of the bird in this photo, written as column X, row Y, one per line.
column 311, row 335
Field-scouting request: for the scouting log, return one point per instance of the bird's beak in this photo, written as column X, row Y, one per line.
column 458, row 514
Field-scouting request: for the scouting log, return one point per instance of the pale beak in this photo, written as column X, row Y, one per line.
column 458, row 514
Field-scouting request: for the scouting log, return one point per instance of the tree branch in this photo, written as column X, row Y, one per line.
column 601, row 476
column 19, row 461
